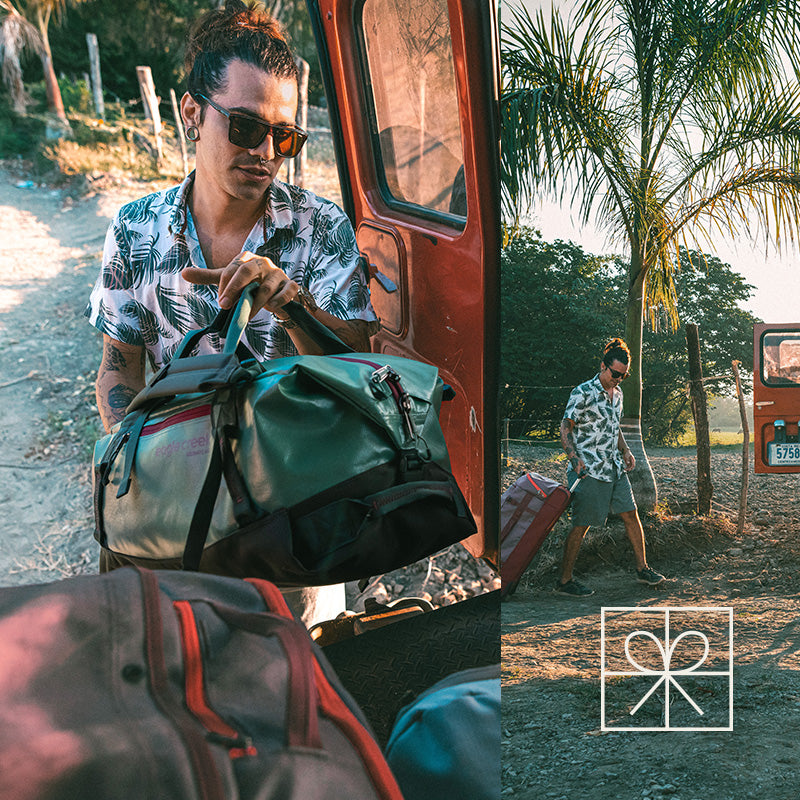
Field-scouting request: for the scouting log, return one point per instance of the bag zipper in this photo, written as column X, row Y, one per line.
column 207, row 777
column 335, row 708
column 389, row 376
column 302, row 729
column 196, row 699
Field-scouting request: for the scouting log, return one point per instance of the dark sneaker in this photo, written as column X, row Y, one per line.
column 649, row 576
column 572, row 588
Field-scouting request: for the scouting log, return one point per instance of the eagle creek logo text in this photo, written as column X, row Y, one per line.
column 189, row 447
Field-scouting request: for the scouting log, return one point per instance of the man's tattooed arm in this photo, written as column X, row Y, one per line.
column 119, row 379
column 568, row 444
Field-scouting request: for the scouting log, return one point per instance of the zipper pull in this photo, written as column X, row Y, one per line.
column 390, row 377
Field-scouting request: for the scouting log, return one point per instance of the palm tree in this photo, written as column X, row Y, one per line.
column 16, row 33
column 38, row 14
column 666, row 121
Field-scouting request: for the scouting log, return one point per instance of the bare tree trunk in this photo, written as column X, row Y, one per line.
column 55, row 103
column 179, row 132
column 303, row 70
column 705, row 489
column 97, row 80
column 642, row 479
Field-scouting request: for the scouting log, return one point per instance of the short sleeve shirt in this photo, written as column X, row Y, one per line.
column 140, row 297
column 597, row 422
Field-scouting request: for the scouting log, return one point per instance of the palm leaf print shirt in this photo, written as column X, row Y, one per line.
column 140, row 297
column 596, row 432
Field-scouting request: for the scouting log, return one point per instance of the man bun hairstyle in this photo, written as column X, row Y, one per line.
column 238, row 30
column 616, row 350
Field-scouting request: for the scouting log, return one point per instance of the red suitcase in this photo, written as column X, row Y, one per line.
column 528, row 511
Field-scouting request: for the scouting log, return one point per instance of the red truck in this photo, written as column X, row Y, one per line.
column 776, row 397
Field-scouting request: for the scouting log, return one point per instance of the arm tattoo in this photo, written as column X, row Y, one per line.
column 119, row 398
column 113, row 359
column 568, row 444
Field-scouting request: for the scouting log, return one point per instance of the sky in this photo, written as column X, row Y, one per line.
column 776, row 277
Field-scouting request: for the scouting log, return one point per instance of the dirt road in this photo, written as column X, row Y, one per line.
column 553, row 743
column 49, row 259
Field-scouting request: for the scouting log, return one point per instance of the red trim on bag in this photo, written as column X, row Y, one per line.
column 541, row 491
column 193, row 669
column 176, row 419
column 272, row 597
column 241, row 752
column 302, row 723
column 357, row 361
column 336, row 709
column 209, row 783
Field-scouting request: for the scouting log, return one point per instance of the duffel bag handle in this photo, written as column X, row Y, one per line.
column 233, row 327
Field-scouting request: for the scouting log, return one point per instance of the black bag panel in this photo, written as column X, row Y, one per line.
column 338, row 538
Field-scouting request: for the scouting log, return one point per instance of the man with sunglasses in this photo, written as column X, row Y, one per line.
column 174, row 258
column 598, row 455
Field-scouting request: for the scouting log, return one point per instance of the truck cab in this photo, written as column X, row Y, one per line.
column 776, row 397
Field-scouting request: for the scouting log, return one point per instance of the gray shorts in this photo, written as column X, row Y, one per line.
column 594, row 500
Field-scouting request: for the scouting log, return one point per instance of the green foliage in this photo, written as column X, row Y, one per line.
column 153, row 33
column 561, row 305
column 18, row 135
column 665, row 121
column 75, row 94
column 709, row 294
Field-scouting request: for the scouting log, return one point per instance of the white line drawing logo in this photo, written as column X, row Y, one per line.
column 659, row 661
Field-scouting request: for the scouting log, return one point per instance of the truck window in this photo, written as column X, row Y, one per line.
column 415, row 105
column 780, row 358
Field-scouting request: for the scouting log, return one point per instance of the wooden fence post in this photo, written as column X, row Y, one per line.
column 295, row 167
column 96, row 82
column 150, row 103
column 745, row 451
column 179, row 132
column 697, row 391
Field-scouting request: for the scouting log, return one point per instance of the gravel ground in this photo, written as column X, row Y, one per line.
column 554, row 745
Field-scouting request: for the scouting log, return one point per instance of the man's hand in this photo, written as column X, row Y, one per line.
column 628, row 458
column 276, row 289
column 578, row 466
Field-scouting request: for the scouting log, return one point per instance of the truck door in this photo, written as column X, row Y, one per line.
column 412, row 88
column 776, row 397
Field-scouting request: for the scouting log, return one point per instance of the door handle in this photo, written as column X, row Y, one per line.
column 765, row 403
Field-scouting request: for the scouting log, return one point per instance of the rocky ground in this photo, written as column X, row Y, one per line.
column 52, row 242
column 554, row 745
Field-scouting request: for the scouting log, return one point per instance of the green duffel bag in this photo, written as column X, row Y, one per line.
column 305, row 470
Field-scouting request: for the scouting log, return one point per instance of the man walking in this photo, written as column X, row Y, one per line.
column 598, row 455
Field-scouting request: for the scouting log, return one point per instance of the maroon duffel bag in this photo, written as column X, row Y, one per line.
column 162, row 685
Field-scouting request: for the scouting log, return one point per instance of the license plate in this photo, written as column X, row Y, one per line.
column 783, row 454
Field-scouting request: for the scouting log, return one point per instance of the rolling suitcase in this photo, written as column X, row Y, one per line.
column 528, row 511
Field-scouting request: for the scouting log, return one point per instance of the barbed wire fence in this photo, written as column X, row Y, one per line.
column 544, row 431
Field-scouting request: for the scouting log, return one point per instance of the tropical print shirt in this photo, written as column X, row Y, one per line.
column 597, row 421
column 140, row 297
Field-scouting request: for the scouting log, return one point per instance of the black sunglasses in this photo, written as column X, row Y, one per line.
column 249, row 132
column 616, row 374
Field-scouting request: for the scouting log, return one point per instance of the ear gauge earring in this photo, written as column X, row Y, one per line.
column 192, row 133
